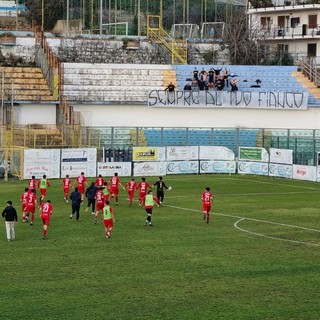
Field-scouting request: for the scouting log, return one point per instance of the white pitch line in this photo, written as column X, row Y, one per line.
column 257, row 220
column 270, row 237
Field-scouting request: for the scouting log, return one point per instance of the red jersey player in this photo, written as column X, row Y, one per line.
column 143, row 186
column 81, row 183
column 32, row 183
column 100, row 202
column 131, row 186
column 24, row 202
column 206, row 204
column 45, row 213
column 31, row 205
column 115, row 183
column 66, row 185
column 99, row 181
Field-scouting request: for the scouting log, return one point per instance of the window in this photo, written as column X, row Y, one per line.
column 294, row 22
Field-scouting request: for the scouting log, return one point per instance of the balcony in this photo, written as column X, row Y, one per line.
column 299, row 32
column 282, row 6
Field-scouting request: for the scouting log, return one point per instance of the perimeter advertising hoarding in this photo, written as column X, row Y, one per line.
column 148, row 154
column 217, row 167
column 182, row 153
column 75, row 161
column 108, row 169
column 38, row 162
column 215, row 153
column 253, row 154
column 141, row 169
column 308, row 173
column 182, row 167
column 258, row 168
column 283, row 156
column 280, row 170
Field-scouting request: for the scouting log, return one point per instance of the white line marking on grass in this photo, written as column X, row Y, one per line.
column 257, row 220
column 270, row 237
column 272, row 183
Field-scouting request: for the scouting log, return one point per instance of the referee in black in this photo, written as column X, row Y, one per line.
column 160, row 189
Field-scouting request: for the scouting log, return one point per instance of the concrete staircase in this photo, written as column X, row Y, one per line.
column 307, row 84
column 25, row 84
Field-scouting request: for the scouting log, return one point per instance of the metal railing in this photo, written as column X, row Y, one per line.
column 309, row 67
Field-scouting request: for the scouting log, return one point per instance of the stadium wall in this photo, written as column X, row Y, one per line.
column 145, row 116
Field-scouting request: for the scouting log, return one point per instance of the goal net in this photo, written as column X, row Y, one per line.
column 182, row 31
column 212, row 30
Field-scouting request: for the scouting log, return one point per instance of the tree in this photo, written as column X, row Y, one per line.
column 53, row 11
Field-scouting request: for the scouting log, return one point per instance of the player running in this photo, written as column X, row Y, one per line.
column 206, row 199
column 24, row 202
column 45, row 214
column 66, row 185
column 81, row 183
column 115, row 183
column 108, row 219
column 148, row 201
column 100, row 202
column 42, row 185
column 31, row 205
column 131, row 186
column 143, row 186
column 99, row 182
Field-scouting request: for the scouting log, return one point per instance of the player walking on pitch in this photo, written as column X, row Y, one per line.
column 42, row 185
column 206, row 199
column 45, row 214
column 160, row 184
column 108, row 219
column 148, row 201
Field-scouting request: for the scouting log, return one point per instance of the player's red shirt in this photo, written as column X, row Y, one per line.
column 31, row 200
column 32, row 184
column 131, row 186
column 24, row 197
column 46, row 210
column 114, row 181
column 206, row 198
column 81, row 180
column 99, row 182
column 99, row 196
column 66, row 183
column 143, row 186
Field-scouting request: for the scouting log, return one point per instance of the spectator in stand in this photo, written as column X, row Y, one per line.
column 234, row 85
column 187, row 87
column 195, row 73
column 194, row 84
column 204, row 76
column 211, row 78
column 226, row 73
column 220, row 85
column 170, row 87
column 217, row 73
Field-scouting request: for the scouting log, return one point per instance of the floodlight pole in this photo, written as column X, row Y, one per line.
column 68, row 7
column 139, row 21
column 42, row 15
column 100, row 18
column 161, row 12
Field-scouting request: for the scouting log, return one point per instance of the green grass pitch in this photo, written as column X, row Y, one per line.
column 258, row 258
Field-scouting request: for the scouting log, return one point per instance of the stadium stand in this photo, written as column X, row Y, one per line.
column 105, row 83
column 25, row 84
column 255, row 78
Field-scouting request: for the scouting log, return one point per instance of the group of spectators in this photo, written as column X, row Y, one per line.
column 209, row 80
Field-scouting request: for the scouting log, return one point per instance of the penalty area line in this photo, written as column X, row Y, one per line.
column 256, row 220
column 236, row 225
